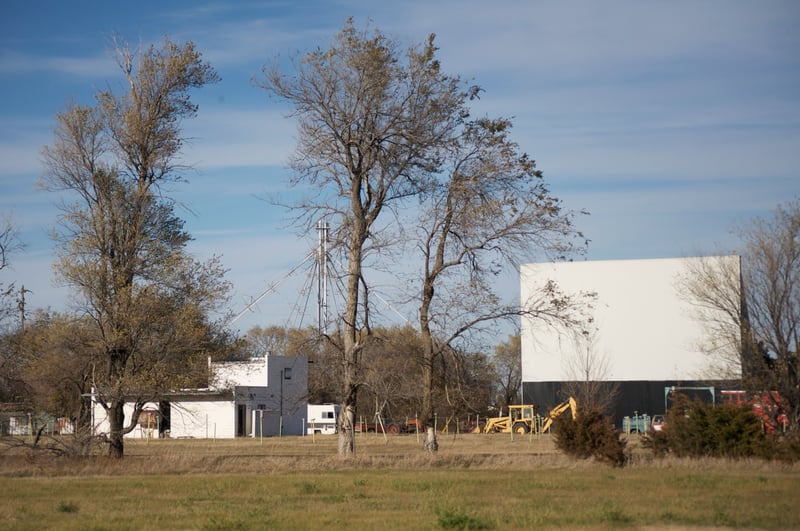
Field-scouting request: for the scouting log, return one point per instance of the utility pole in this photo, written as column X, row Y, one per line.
column 21, row 304
column 322, row 277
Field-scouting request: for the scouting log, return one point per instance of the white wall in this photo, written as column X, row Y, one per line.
column 645, row 328
column 237, row 373
column 102, row 425
column 203, row 419
column 197, row 419
column 285, row 397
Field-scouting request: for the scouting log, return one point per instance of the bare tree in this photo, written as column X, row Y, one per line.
column 507, row 364
column 369, row 118
column 58, row 354
column 266, row 341
column 486, row 209
column 771, row 275
column 760, row 310
column 122, row 247
column 588, row 371
column 712, row 285
column 389, row 370
column 11, row 383
column 9, row 243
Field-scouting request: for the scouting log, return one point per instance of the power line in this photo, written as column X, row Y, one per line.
column 272, row 287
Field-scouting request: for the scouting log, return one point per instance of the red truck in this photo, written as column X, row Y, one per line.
column 392, row 427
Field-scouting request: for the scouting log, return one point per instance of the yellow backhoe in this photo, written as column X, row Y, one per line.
column 558, row 410
column 523, row 419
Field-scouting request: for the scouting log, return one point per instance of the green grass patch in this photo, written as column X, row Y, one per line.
column 67, row 507
column 449, row 519
column 296, row 485
column 450, row 499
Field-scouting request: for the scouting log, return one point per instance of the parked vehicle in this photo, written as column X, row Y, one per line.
column 322, row 419
column 658, row 423
column 392, row 427
column 769, row 407
column 523, row 419
column 369, row 427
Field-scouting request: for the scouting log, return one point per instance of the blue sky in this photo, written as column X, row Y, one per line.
column 670, row 121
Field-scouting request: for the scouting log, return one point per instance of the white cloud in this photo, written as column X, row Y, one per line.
column 97, row 66
column 543, row 38
column 236, row 137
column 21, row 142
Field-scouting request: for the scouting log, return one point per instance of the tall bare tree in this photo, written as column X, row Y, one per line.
column 588, row 370
column 712, row 285
column 122, row 246
column 507, row 364
column 369, row 118
column 12, row 386
column 771, row 274
column 9, row 243
column 759, row 330
column 485, row 209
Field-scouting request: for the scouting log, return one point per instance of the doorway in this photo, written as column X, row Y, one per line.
column 241, row 420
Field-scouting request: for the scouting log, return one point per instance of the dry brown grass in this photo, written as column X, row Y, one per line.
column 245, row 455
column 189, row 456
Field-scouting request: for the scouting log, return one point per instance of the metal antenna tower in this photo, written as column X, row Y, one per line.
column 322, row 276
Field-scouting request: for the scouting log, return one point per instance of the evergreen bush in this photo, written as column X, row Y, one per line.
column 590, row 434
column 698, row 429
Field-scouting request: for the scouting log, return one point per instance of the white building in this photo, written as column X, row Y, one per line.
column 645, row 335
column 262, row 396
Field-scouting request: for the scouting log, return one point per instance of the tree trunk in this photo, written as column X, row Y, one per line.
column 347, row 438
column 116, row 420
column 352, row 343
column 347, row 441
column 431, row 444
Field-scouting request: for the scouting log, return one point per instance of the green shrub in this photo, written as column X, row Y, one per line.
column 67, row 507
column 698, row 429
column 787, row 448
column 590, row 434
column 458, row 520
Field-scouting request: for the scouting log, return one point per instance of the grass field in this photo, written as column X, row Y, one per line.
column 476, row 481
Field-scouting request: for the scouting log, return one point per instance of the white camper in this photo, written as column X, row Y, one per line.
column 322, row 418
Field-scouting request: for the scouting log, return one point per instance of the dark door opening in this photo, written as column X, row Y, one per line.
column 241, row 420
column 164, row 422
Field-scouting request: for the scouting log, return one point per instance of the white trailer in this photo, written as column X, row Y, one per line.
column 322, row 418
